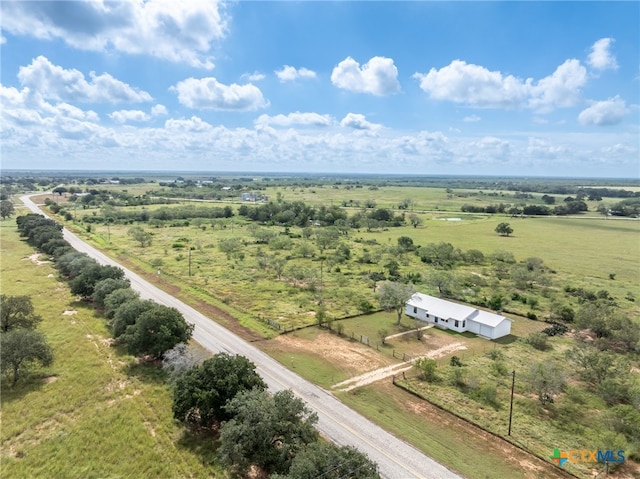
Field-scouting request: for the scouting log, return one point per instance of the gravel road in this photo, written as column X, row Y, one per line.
column 396, row 459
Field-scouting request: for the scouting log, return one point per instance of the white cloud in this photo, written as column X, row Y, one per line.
column 176, row 31
column 3, row 39
column 474, row 85
column 208, row 93
column 296, row 118
column 159, row 110
column 255, row 76
column 27, row 100
column 193, row 124
column 600, row 57
column 604, row 113
column 471, row 119
column 379, row 76
column 561, row 89
column 477, row 86
column 358, row 122
column 58, row 83
column 123, row 116
column 289, row 73
column 542, row 148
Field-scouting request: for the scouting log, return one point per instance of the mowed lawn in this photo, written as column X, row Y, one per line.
column 95, row 412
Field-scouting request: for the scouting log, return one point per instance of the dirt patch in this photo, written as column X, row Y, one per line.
column 353, row 357
column 49, row 379
column 70, row 313
column 34, row 259
column 388, row 371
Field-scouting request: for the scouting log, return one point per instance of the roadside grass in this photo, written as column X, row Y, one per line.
column 439, row 435
column 309, row 365
column 94, row 412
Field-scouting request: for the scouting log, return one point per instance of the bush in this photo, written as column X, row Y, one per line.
column 365, row 307
column 499, row 368
column 555, row 329
column 459, row 378
column 486, row 393
column 427, row 369
column 496, row 354
column 538, row 340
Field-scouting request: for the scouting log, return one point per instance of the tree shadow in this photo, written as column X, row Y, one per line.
column 28, row 383
column 203, row 443
column 147, row 371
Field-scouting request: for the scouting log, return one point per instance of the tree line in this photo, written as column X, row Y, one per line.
column 274, row 433
column 569, row 207
column 223, row 395
column 143, row 327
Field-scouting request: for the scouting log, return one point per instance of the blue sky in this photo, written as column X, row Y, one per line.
column 475, row 88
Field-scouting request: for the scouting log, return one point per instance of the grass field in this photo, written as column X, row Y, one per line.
column 468, row 451
column 581, row 251
column 94, row 412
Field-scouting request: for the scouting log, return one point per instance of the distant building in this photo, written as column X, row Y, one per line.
column 253, row 196
column 457, row 317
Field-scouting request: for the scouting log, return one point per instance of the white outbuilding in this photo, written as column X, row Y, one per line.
column 458, row 317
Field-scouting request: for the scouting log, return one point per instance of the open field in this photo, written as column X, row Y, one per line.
column 591, row 253
column 581, row 253
column 95, row 412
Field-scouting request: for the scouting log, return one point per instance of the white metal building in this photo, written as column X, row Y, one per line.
column 458, row 317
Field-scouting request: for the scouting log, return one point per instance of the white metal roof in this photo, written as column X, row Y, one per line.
column 449, row 310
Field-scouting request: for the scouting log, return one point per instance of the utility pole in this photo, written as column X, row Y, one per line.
column 513, row 383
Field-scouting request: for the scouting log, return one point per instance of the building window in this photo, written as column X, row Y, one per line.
column 436, row 319
column 464, row 324
column 415, row 310
column 456, row 323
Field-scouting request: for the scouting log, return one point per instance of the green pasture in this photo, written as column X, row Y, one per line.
column 581, row 252
column 459, row 448
column 95, row 412
column 575, row 420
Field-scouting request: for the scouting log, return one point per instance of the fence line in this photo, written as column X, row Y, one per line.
column 468, row 421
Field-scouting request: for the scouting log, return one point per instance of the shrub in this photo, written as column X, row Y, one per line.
column 427, row 369
column 499, row 368
column 459, row 378
column 496, row 354
column 538, row 340
column 365, row 307
column 486, row 393
column 556, row 329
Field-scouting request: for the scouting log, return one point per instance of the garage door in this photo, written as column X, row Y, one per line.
column 485, row 331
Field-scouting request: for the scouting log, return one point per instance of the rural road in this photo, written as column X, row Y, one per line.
column 396, row 459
